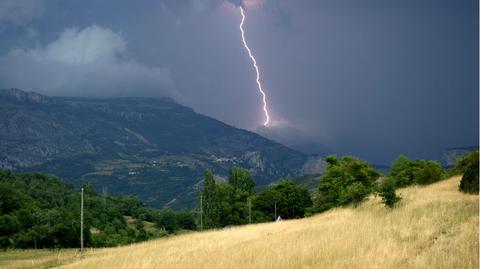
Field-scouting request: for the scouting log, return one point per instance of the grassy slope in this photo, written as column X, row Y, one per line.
column 434, row 227
column 23, row 259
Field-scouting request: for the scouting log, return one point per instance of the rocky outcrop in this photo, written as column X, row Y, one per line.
column 314, row 165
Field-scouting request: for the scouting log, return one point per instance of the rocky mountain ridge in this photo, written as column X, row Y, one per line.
column 150, row 147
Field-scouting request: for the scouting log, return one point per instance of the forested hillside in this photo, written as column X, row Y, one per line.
column 40, row 211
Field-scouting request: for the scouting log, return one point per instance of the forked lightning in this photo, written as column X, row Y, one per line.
column 260, row 89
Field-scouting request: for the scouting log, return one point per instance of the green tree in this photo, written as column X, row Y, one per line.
column 241, row 179
column 405, row 171
column 211, row 202
column 290, row 200
column 354, row 194
column 226, row 204
column 167, row 220
column 386, row 190
column 469, row 166
column 345, row 181
column 428, row 172
column 139, row 224
column 11, row 199
column 264, row 205
column 141, row 233
column 233, row 206
column 186, row 220
column 9, row 226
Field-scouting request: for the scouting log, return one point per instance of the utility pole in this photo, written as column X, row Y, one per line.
column 275, row 211
column 81, row 222
column 201, row 212
column 249, row 211
column 104, row 197
column 104, row 194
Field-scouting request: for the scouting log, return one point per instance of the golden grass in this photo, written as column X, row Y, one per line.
column 41, row 258
column 434, row 227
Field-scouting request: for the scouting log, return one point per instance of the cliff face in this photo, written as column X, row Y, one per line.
column 150, row 147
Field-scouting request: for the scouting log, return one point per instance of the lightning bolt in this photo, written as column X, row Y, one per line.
column 260, row 89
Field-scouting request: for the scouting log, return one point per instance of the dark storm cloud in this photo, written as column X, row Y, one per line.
column 372, row 78
column 380, row 78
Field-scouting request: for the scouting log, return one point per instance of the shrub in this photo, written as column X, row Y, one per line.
column 386, row 190
column 347, row 180
column 402, row 171
column 186, row 220
column 167, row 220
column 405, row 171
column 469, row 166
column 354, row 194
column 428, row 172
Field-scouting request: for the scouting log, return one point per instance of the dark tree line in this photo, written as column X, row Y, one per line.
column 236, row 203
column 346, row 181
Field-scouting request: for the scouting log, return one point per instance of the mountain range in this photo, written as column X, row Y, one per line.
column 153, row 148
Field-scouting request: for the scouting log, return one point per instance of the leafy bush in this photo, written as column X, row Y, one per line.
column 186, row 220
column 354, row 194
column 386, row 190
column 167, row 220
column 172, row 221
column 405, row 171
column 428, row 172
column 469, row 165
column 346, row 181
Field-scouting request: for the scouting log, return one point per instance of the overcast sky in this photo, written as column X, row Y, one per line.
column 372, row 78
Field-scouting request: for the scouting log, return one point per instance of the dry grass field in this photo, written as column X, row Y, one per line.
column 26, row 259
column 434, row 227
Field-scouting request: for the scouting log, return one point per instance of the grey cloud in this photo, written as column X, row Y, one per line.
column 19, row 12
column 236, row 2
column 280, row 16
column 93, row 61
column 208, row 4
